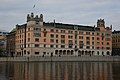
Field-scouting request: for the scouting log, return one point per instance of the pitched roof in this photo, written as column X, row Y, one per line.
column 70, row 26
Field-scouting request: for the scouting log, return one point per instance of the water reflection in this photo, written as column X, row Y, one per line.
column 60, row 71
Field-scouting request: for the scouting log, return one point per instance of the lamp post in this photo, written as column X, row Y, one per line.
column 22, row 50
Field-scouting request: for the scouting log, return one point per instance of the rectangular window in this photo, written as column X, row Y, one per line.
column 37, row 29
column 57, row 41
column 97, row 47
column 36, row 45
column 56, row 30
column 98, row 38
column 28, row 45
column 28, row 39
column 52, row 35
column 62, row 46
column 56, row 36
column 44, row 40
column 36, row 39
column 70, row 42
column 44, row 45
column 81, row 42
column 37, row 34
column 88, row 42
column 44, row 34
column 81, row 33
column 80, row 37
column 81, row 46
column 92, row 38
column 107, row 48
column 63, row 41
column 62, row 31
column 107, row 34
column 108, row 39
column 62, row 36
column 70, row 46
column 75, row 41
column 28, row 34
column 98, row 34
column 102, row 43
column 70, row 32
column 37, row 53
column 87, row 47
column 98, row 43
column 28, row 29
column 108, row 43
column 44, row 29
column 56, row 46
column 52, row 30
column 70, row 36
column 87, row 38
column 87, row 33
column 51, row 40
column 52, row 46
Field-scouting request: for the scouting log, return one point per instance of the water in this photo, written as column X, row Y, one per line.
column 60, row 71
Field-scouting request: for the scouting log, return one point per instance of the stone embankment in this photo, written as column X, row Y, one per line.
column 63, row 58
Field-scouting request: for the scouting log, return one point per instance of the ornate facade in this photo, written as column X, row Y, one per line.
column 3, row 40
column 116, row 43
column 11, row 43
column 38, row 38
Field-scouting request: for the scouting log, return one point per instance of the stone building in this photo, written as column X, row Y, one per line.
column 116, row 43
column 11, row 43
column 3, row 41
column 38, row 38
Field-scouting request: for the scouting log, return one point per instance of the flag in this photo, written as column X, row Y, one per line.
column 34, row 6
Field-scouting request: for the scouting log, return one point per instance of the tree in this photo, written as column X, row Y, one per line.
column 1, row 52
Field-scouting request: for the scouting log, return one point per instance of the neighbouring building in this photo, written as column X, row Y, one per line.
column 116, row 43
column 11, row 43
column 3, row 40
column 38, row 38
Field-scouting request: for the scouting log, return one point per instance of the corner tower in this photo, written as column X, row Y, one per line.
column 33, row 20
column 101, row 23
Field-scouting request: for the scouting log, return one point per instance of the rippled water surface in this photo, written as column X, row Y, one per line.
column 60, row 71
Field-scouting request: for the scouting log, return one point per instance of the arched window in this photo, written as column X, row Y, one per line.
column 56, row 52
column 108, row 53
column 60, row 52
column 79, row 53
column 72, row 52
column 102, row 53
column 68, row 52
column 97, row 52
column 64, row 52
column 82, row 52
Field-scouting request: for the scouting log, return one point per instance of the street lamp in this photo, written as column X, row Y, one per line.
column 22, row 50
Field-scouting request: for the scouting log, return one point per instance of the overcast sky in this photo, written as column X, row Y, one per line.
column 83, row 12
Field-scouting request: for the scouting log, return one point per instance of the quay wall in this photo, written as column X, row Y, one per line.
column 63, row 58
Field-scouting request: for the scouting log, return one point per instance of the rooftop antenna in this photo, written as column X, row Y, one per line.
column 54, row 22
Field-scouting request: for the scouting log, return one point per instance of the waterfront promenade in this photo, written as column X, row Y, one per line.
column 63, row 58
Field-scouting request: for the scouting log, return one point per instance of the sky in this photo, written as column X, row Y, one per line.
column 81, row 12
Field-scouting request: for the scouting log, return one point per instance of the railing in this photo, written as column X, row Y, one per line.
column 62, row 58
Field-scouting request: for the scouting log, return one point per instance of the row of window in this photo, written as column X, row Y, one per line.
column 116, row 40
column 69, row 41
column 69, row 46
column 66, row 52
column 63, row 41
column 64, row 31
column 63, row 46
